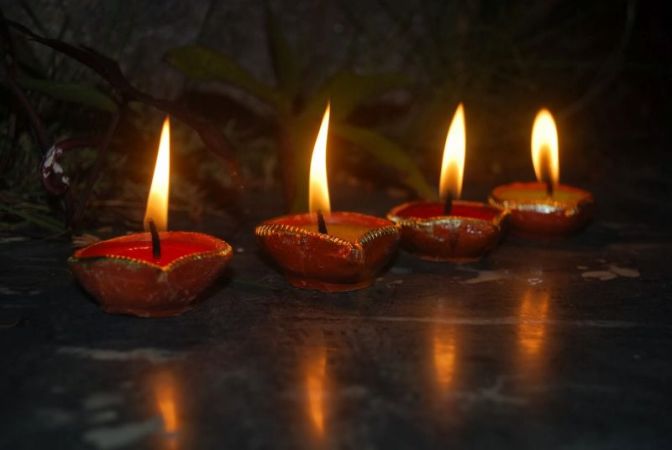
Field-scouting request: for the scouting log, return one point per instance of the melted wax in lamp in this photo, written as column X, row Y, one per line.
column 324, row 250
column 545, row 207
column 450, row 230
column 151, row 274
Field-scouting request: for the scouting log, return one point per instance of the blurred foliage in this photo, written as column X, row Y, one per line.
column 297, row 113
column 394, row 75
column 84, row 150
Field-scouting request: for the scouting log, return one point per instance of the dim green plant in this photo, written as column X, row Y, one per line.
column 296, row 112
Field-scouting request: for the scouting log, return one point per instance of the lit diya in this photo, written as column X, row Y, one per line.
column 157, row 273
column 324, row 250
column 450, row 230
column 546, row 207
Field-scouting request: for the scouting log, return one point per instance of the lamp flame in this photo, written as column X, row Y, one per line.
column 318, row 190
column 545, row 148
column 452, row 167
column 157, row 201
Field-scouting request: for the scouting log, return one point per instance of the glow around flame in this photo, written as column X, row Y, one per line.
column 157, row 201
column 452, row 167
column 318, row 193
column 545, row 147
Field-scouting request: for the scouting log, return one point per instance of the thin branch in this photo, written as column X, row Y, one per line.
column 9, row 76
column 610, row 68
column 94, row 175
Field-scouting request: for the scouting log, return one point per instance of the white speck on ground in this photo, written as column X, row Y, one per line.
column 624, row 271
column 54, row 417
column 103, row 417
column 122, row 435
column 484, row 276
column 10, row 239
column 153, row 355
column 613, row 271
column 102, row 400
column 602, row 275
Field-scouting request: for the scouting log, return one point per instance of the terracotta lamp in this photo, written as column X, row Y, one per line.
column 324, row 250
column 546, row 207
column 157, row 273
column 450, row 230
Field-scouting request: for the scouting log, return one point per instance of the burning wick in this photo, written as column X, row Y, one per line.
column 448, row 205
column 156, row 242
column 321, row 224
column 545, row 161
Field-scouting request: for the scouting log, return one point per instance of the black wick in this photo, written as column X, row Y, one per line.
column 448, row 205
column 549, row 187
column 156, row 242
column 546, row 172
column 321, row 224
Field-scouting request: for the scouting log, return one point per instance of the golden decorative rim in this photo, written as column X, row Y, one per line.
column 225, row 251
column 269, row 229
column 417, row 222
column 543, row 206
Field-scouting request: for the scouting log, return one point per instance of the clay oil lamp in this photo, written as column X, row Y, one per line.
column 544, row 208
column 324, row 250
column 157, row 273
column 450, row 230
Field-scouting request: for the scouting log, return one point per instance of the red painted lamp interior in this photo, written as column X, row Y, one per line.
column 426, row 210
column 139, row 247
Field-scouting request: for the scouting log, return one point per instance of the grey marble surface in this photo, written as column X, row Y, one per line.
column 563, row 344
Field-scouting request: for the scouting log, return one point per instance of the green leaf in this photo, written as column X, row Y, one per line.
column 285, row 60
column 389, row 154
column 348, row 90
column 70, row 92
column 204, row 64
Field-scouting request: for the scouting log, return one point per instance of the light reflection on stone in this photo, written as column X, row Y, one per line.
column 445, row 354
column 533, row 317
column 315, row 385
column 165, row 392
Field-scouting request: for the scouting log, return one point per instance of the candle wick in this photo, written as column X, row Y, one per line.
column 448, row 205
column 549, row 187
column 321, row 224
column 545, row 161
column 156, row 241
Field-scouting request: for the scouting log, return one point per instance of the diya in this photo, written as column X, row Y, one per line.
column 544, row 208
column 157, row 273
column 451, row 230
column 324, row 250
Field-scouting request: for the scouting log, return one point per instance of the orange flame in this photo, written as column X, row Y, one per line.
column 318, row 193
column 545, row 148
column 452, row 167
column 157, row 201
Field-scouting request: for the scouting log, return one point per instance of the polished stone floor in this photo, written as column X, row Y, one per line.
column 563, row 344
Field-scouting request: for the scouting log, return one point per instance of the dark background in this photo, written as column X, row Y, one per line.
column 601, row 67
